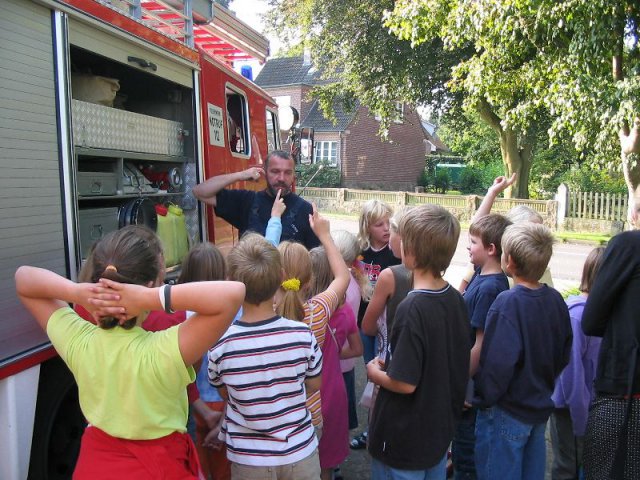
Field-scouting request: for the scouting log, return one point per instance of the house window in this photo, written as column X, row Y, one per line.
column 273, row 131
column 327, row 152
column 237, row 121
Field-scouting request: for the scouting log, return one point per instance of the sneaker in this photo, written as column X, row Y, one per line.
column 359, row 442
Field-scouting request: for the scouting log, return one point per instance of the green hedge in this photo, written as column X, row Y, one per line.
column 328, row 177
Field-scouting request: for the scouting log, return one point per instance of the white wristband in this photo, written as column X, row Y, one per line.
column 161, row 295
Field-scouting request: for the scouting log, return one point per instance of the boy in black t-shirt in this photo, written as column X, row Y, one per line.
column 527, row 342
column 422, row 388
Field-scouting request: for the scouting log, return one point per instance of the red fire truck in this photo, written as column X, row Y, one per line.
column 110, row 111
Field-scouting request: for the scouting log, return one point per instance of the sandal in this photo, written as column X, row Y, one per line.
column 359, row 442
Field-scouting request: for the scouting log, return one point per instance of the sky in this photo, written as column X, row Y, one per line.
column 250, row 11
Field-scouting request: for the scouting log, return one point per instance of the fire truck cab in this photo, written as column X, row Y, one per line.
column 111, row 112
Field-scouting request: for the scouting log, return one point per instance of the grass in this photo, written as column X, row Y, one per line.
column 595, row 238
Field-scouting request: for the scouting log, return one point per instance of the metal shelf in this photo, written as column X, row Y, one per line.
column 151, row 157
column 130, row 195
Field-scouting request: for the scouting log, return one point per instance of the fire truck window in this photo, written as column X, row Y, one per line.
column 272, row 132
column 237, row 121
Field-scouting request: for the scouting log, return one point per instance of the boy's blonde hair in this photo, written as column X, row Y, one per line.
column 490, row 229
column 522, row 213
column 296, row 264
column 429, row 233
column 394, row 221
column 348, row 246
column 530, row 246
column 256, row 263
column 372, row 212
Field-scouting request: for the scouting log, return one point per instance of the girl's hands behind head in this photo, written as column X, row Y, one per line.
column 118, row 300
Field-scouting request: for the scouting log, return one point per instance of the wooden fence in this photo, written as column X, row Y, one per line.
column 580, row 211
column 597, row 206
column 462, row 206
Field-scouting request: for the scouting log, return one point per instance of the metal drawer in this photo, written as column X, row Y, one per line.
column 97, row 183
column 95, row 223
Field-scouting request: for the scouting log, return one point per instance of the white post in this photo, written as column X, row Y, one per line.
column 562, row 197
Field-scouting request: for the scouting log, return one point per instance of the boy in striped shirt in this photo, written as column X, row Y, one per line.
column 264, row 364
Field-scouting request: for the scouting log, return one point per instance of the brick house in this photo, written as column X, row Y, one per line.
column 352, row 144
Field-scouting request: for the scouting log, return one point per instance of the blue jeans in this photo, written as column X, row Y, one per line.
column 508, row 448
column 370, row 348
column 350, row 384
column 380, row 471
column 463, row 446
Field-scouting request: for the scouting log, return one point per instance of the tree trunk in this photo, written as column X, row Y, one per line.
column 516, row 150
column 630, row 152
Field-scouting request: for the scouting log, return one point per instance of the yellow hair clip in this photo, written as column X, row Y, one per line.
column 291, row 284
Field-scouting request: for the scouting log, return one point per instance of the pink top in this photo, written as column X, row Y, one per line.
column 353, row 300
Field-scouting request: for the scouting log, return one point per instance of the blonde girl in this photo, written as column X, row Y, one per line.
column 393, row 286
column 376, row 255
column 293, row 300
column 373, row 236
column 120, row 368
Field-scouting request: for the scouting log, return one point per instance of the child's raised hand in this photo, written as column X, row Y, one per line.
column 278, row 205
column 318, row 223
column 501, row 183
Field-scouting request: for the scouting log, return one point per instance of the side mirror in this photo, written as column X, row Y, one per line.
column 288, row 117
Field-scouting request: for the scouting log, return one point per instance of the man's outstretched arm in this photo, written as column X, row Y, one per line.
column 207, row 191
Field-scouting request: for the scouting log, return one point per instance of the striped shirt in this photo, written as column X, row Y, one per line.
column 263, row 366
column 317, row 312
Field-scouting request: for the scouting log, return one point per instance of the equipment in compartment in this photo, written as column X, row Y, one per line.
column 133, row 180
column 94, row 88
column 164, row 177
column 139, row 211
column 95, row 223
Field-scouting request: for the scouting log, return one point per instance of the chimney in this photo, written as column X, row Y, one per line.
column 306, row 57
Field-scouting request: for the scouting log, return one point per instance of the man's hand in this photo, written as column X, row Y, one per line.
column 318, row 223
column 278, row 205
column 501, row 183
column 253, row 174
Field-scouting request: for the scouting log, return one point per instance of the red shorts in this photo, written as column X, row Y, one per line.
column 105, row 457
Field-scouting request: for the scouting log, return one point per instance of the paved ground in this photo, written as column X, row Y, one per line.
column 566, row 269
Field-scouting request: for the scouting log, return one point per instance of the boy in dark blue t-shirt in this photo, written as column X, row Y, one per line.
column 485, row 235
column 527, row 342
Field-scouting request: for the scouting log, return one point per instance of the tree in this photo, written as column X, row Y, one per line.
column 364, row 60
column 537, row 55
column 355, row 47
